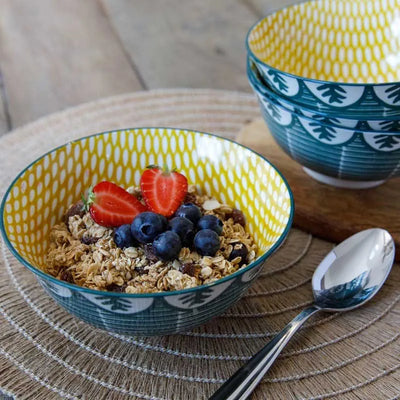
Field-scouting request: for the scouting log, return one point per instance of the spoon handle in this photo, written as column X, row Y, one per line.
column 242, row 383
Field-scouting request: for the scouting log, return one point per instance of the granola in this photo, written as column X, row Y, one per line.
column 84, row 253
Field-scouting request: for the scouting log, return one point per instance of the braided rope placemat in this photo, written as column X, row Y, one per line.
column 46, row 353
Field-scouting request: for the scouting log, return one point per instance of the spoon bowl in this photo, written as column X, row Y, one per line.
column 350, row 275
column 354, row 271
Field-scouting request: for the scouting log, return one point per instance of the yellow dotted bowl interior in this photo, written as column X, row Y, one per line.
column 351, row 41
column 231, row 173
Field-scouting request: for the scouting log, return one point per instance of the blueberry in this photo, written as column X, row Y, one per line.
column 189, row 211
column 206, row 242
column 147, row 225
column 210, row 222
column 167, row 245
column 184, row 228
column 123, row 237
column 239, row 250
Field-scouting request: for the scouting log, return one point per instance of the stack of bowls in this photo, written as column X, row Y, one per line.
column 327, row 77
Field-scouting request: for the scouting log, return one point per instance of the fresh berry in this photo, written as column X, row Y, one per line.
column 189, row 211
column 184, row 228
column 111, row 205
column 239, row 250
column 210, row 222
column 167, row 246
column 163, row 190
column 206, row 242
column 147, row 225
column 123, row 237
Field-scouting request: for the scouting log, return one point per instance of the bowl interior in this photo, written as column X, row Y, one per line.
column 39, row 196
column 350, row 41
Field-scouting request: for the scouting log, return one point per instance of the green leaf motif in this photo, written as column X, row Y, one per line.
column 386, row 141
column 279, row 80
column 324, row 132
column 196, row 298
column 394, row 92
column 274, row 111
column 390, row 125
column 115, row 303
column 334, row 93
column 325, row 120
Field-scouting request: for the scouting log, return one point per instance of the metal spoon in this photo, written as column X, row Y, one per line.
column 350, row 275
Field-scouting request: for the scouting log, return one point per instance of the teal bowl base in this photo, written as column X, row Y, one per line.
column 341, row 183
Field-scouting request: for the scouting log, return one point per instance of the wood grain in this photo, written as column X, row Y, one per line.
column 5, row 123
column 55, row 54
column 326, row 211
column 185, row 43
column 265, row 7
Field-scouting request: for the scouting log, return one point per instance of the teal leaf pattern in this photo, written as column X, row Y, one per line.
column 325, row 120
column 323, row 132
column 279, row 80
column 274, row 111
column 115, row 303
column 390, row 126
column 394, row 93
column 334, row 93
column 196, row 298
column 386, row 141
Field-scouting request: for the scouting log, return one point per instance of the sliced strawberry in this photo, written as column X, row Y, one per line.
column 110, row 205
column 163, row 190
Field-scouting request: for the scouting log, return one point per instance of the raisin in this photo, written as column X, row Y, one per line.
column 190, row 269
column 67, row 276
column 191, row 198
column 239, row 250
column 149, row 253
column 141, row 270
column 116, row 288
column 75, row 209
column 89, row 240
column 237, row 216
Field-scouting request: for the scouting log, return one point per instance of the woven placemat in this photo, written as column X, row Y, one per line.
column 46, row 353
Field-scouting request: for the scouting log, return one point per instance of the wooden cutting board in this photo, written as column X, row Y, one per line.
column 326, row 211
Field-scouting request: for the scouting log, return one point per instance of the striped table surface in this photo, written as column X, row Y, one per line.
column 46, row 353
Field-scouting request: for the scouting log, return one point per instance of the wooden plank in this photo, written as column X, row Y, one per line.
column 265, row 7
column 185, row 43
column 5, row 124
column 326, row 211
column 55, row 54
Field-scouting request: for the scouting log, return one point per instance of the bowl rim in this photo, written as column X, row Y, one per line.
column 251, row 78
column 263, row 87
column 299, row 77
column 73, row 287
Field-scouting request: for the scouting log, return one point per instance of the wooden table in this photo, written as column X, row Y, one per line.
column 57, row 54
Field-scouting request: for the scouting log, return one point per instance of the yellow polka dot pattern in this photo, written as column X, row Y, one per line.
column 350, row 41
column 235, row 175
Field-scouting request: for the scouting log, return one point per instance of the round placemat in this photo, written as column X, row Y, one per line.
column 46, row 353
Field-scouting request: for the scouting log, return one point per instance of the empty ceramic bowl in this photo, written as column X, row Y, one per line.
column 342, row 157
column 41, row 193
column 334, row 56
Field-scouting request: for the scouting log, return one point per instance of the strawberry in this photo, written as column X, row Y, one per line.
column 163, row 190
column 110, row 205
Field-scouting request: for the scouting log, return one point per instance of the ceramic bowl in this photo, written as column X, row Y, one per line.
column 334, row 56
column 337, row 119
column 41, row 193
column 342, row 157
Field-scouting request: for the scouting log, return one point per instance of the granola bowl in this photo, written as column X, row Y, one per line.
column 232, row 176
